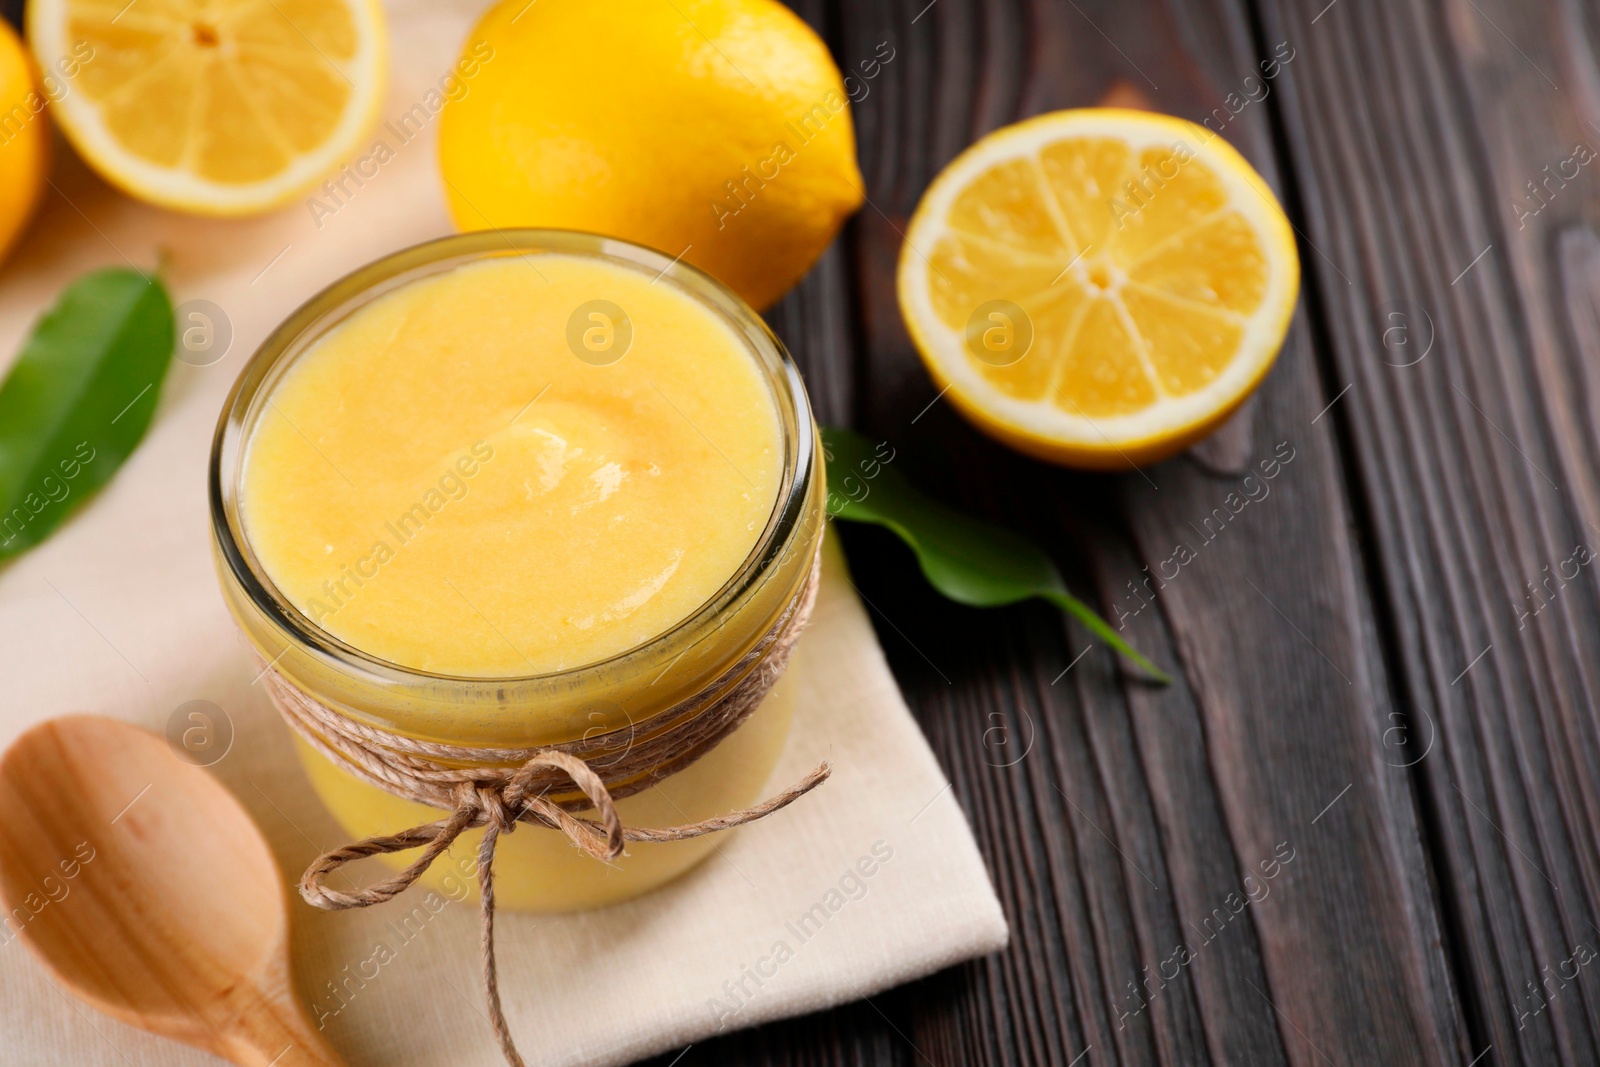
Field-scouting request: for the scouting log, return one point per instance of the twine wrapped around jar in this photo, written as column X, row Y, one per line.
column 497, row 788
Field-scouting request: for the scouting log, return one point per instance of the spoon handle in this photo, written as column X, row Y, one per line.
column 278, row 1034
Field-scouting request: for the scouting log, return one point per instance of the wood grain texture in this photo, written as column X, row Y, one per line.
column 1285, row 687
column 1479, row 462
column 179, row 923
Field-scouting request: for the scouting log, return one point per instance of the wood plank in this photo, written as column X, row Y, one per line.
column 1415, row 129
column 1213, row 775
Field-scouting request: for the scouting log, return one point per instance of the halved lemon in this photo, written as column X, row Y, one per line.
column 218, row 107
column 1099, row 287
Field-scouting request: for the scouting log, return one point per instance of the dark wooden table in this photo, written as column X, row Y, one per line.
column 1386, row 669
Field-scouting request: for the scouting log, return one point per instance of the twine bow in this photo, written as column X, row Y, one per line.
column 497, row 798
column 498, row 809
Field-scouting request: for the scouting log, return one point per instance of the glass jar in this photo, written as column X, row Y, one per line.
column 537, row 869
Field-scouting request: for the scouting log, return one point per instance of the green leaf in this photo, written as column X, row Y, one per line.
column 79, row 399
column 970, row 561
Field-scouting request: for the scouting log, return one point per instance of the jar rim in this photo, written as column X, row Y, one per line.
column 337, row 301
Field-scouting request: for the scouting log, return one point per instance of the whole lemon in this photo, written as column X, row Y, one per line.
column 24, row 136
column 715, row 130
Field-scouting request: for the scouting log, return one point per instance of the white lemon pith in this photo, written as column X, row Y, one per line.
column 1099, row 287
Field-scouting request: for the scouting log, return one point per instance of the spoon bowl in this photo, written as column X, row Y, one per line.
column 147, row 891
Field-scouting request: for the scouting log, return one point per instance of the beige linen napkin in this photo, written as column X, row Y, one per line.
column 869, row 882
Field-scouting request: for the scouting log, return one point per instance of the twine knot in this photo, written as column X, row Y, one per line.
column 498, row 788
column 490, row 801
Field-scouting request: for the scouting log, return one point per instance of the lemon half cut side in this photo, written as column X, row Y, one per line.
column 1099, row 287
column 216, row 107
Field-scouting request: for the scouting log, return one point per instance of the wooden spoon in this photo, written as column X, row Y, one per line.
column 147, row 891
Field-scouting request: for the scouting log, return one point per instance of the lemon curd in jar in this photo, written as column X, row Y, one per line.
column 516, row 499
column 449, row 482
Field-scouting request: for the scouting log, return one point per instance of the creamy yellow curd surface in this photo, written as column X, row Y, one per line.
column 464, row 478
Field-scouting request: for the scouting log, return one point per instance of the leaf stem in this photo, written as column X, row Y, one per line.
column 1102, row 629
